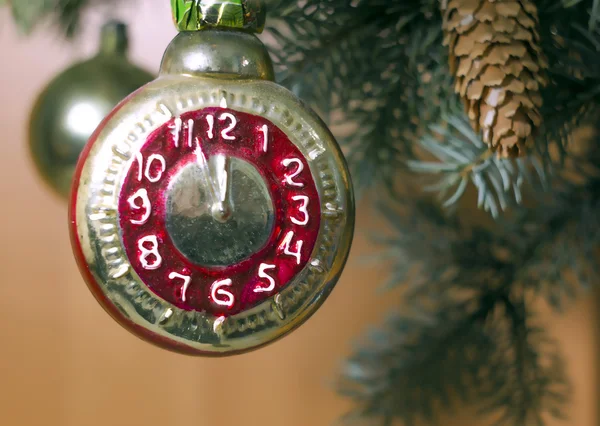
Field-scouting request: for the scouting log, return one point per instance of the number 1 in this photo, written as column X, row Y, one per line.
column 265, row 131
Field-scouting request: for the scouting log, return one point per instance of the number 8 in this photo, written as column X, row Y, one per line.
column 145, row 253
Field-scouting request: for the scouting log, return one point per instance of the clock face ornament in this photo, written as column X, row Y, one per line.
column 218, row 211
column 212, row 215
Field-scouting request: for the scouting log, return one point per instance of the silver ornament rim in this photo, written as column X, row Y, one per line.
column 96, row 229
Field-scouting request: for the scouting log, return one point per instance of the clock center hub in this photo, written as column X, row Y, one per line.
column 216, row 226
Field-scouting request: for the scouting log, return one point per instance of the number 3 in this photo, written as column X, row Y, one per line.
column 302, row 209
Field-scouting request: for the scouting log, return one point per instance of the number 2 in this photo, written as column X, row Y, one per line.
column 289, row 178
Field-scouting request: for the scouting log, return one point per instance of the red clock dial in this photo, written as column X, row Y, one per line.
column 218, row 211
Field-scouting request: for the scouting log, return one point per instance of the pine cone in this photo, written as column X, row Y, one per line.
column 498, row 64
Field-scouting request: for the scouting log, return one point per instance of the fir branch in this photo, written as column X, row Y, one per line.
column 416, row 364
column 483, row 350
column 527, row 378
column 563, row 236
column 518, row 374
column 373, row 63
column 463, row 158
column 571, row 47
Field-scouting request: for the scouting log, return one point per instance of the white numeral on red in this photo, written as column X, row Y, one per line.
column 289, row 178
column 262, row 273
column 177, row 131
column 145, row 253
column 190, row 132
column 286, row 246
column 302, row 209
column 265, row 131
column 142, row 195
column 211, row 126
column 225, row 133
column 159, row 174
column 148, row 171
column 210, row 119
column 217, row 290
column 186, row 283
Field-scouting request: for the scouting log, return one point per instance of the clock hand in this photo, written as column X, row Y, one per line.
column 222, row 207
column 216, row 174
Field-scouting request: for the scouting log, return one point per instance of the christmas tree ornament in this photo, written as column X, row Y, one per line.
column 212, row 211
column 498, row 64
column 69, row 109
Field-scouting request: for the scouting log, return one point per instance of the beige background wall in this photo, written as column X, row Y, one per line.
column 64, row 362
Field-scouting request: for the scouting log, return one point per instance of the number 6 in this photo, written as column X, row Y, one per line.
column 216, row 290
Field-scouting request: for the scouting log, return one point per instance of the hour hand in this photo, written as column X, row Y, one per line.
column 217, row 178
column 220, row 171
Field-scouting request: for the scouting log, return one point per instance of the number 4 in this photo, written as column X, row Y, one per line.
column 285, row 246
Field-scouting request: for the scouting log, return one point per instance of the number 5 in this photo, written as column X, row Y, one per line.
column 262, row 273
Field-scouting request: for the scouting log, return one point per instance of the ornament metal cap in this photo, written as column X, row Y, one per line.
column 196, row 15
column 114, row 38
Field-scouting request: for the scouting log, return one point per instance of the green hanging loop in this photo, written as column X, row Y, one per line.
column 196, row 15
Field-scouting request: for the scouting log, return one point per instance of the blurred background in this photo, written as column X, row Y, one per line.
column 64, row 362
